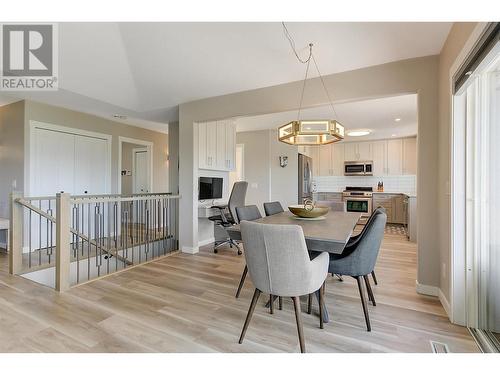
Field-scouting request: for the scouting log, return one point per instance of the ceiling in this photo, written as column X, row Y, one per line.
column 145, row 70
column 377, row 115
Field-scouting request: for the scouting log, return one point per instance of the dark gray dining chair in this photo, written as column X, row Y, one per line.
column 248, row 213
column 360, row 262
column 278, row 264
column 227, row 216
column 273, row 208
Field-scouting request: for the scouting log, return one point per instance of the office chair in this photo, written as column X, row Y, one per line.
column 228, row 217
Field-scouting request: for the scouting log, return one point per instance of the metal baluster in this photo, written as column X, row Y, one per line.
column 108, row 237
column 49, row 252
column 89, row 236
column 29, row 254
column 115, row 231
column 147, row 230
column 40, row 234
column 77, row 243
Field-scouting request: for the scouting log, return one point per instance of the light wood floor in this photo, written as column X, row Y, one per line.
column 185, row 303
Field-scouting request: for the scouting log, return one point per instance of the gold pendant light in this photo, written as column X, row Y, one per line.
column 310, row 132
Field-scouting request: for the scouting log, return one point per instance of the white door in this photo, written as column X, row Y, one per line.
column 202, row 145
column 231, row 145
column 141, row 172
column 90, row 166
column 211, row 144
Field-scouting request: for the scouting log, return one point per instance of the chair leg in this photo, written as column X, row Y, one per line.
column 280, row 303
column 298, row 319
column 374, row 278
column 242, row 281
column 271, row 304
column 339, row 276
column 321, row 304
column 371, row 297
column 309, row 304
column 251, row 309
column 361, row 288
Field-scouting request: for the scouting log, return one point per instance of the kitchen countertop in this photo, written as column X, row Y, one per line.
column 410, row 195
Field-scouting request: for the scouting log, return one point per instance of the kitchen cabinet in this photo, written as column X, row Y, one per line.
column 337, row 160
column 365, row 151
column 394, row 156
column 379, row 157
column 350, row 151
column 410, row 156
column 325, row 160
column 217, row 145
column 394, row 205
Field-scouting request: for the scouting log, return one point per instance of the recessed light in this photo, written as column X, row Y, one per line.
column 358, row 133
column 393, row 135
column 120, row 117
column 397, row 119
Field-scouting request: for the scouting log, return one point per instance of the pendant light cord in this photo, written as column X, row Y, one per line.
column 307, row 61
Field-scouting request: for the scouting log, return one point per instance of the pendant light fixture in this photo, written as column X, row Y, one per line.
column 310, row 132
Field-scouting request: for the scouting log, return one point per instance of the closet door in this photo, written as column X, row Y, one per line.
column 53, row 163
column 90, row 165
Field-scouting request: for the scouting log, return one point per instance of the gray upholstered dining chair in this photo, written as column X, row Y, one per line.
column 360, row 262
column 226, row 219
column 273, row 208
column 278, row 263
column 248, row 213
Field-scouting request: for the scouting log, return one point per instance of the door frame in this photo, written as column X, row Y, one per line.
column 136, row 150
column 149, row 147
column 29, row 151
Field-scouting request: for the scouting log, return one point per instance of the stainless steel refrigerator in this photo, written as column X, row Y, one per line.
column 305, row 178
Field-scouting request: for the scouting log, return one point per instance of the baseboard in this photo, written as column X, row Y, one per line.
column 206, row 242
column 428, row 290
column 190, row 250
column 445, row 303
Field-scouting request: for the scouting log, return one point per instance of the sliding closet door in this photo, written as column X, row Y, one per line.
column 91, row 155
column 54, row 154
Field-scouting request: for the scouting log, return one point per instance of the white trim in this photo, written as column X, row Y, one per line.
column 29, row 150
column 190, row 250
column 445, row 303
column 457, row 309
column 148, row 144
column 208, row 241
column 136, row 150
column 428, row 290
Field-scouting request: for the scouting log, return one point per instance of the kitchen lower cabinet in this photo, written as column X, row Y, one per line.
column 394, row 204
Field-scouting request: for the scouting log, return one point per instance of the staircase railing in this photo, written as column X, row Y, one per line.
column 85, row 237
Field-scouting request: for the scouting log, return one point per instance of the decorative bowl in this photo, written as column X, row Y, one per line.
column 301, row 211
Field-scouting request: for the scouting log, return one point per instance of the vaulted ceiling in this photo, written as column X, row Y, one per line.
column 145, row 70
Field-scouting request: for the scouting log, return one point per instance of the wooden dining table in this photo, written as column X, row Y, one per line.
column 328, row 234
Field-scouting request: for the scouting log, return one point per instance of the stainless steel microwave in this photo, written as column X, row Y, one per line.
column 358, row 168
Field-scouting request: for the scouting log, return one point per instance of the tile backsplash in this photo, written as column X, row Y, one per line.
column 400, row 184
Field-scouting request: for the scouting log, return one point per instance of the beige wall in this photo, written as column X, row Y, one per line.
column 65, row 117
column 419, row 75
column 459, row 34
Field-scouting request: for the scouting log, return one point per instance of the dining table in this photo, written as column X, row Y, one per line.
column 329, row 233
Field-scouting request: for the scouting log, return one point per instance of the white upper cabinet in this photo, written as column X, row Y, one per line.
column 395, row 156
column 364, row 151
column 338, row 159
column 410, row 156
column 379, row 157
column 350, row 151
column 217, row 145
column 325, row 160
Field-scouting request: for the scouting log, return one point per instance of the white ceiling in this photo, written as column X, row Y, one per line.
column 377, row 115
column 145, row 70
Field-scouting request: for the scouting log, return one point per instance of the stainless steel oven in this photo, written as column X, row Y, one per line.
column 358, row 168
column 360, row 200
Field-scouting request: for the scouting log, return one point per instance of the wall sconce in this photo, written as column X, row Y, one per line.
column 283, row 161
